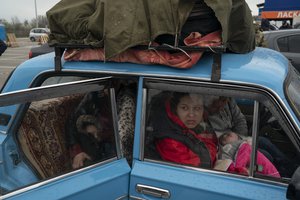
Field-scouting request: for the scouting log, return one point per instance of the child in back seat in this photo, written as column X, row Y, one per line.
column 90, row 131
column 238, row 152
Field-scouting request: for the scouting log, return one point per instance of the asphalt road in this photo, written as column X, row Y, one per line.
column 13, row 56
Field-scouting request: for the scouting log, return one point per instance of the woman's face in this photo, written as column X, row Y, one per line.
column 190, row 110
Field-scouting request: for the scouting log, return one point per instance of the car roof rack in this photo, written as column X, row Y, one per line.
column 217, row 51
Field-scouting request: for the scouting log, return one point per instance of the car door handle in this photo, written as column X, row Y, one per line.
column 153, row 191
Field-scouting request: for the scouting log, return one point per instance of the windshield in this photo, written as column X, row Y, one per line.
column 293, row 92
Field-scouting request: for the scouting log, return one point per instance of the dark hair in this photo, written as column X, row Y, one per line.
column 85, row 120
column 176, row 96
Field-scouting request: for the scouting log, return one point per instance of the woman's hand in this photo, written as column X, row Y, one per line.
column 78, row 160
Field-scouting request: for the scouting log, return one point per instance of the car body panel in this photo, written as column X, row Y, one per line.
column 192, row 184
column 85, row 185
column 235, row 67
column 263, row 69
column 294, row 58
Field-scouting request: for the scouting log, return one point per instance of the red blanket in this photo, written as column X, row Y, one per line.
column 150, row 56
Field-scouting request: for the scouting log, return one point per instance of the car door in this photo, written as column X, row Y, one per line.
column 107, row 178
column 155, row 178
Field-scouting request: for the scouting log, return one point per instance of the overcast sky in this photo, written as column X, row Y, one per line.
column 25, row 9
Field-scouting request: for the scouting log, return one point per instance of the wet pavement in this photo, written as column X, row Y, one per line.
column 13, row 56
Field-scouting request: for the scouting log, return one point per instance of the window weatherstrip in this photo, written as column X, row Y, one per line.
column 115, row 122
column 143, row 123
column 254, row 138
column 48, row 92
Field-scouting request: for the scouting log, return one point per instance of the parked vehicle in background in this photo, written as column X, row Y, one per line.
column 36, row 33
column 39, row 50
column 287, row 42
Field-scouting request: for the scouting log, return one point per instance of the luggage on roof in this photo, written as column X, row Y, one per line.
column 122, row 24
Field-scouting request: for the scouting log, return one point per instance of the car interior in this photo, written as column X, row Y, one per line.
column 269, row 128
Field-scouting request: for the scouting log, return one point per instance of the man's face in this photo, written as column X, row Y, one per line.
column 214, row 103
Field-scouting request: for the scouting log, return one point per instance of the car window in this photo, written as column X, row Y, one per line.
column 55, row 130
column 193, row 126
column 57, row 135
column 65, row 129
column 275, row 143
column 289, row 44
column 294, row 42
column 283, row 44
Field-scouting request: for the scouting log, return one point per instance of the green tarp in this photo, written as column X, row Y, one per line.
column 118, row 25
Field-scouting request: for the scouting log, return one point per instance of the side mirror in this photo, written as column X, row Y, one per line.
column 293, row 191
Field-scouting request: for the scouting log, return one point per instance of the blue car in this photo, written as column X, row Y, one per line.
column 42, row 100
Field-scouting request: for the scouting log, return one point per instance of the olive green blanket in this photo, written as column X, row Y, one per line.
column 118, row 25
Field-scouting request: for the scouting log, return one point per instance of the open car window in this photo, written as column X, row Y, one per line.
column 62, row 128
column 199, row 125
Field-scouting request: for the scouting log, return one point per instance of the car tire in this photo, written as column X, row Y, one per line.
column 32, row 39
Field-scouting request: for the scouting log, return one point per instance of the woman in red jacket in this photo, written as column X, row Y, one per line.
column 181, row 135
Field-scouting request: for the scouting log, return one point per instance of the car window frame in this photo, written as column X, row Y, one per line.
column 254, row 92
column 23, row 98
column 38, row 92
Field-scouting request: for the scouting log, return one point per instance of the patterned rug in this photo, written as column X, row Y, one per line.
column 42, row 135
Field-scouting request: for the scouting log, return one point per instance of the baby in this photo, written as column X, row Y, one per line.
column 238, row 151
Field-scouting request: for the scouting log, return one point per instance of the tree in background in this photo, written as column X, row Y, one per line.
column 21, row 29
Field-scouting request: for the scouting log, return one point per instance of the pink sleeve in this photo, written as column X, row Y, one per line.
column 242, row 160
column 267, row 168
column 239, row 170
column 243, row 156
